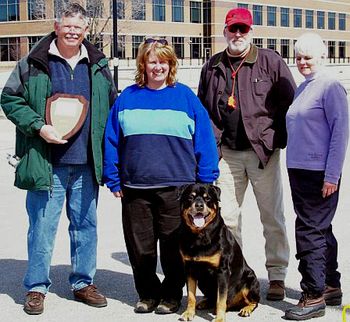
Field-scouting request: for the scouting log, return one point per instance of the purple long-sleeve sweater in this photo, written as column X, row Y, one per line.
column 318, row 126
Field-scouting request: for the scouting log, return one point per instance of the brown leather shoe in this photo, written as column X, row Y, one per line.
column 90, row 296
column 333, row 295
column 34, row 303
column 276, row 291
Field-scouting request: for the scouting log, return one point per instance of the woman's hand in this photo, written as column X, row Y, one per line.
column 118, row 194
column 328, row 188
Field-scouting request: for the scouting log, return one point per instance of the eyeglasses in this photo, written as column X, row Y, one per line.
column 162, row 41
column 243, row 29
column 77, row 29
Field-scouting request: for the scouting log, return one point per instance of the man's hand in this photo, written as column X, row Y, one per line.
column 50, row 135
column 118, row 194
column 328, row 188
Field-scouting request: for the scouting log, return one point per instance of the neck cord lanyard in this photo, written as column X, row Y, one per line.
column 232, row 102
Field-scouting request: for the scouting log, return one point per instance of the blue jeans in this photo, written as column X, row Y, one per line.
column 77, row 185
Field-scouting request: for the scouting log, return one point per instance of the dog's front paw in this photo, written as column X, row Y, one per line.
column 247, row 310
column 218, row 319
column 244, row 312
column 188, row 315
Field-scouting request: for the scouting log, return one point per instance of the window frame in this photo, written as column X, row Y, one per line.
column 196, row 12
column 285, row 16
column 257, row 15
column 297, row 18
column 158, row 10
column 177, row 10
column 271, row 16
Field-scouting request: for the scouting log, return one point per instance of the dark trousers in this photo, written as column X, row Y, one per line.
column 149, row 216
column 317, row 247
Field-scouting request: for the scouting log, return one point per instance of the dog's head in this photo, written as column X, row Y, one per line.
column 199, row 205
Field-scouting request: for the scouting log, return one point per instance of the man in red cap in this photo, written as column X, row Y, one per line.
column 247, row 91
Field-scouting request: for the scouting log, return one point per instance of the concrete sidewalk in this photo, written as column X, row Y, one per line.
column 114, row 276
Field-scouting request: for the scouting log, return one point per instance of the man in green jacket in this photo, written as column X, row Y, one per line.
column 54, row 169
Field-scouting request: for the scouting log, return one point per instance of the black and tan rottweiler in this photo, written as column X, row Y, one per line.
column 212, row 257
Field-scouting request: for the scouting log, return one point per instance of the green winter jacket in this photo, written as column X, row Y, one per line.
column 23, row 100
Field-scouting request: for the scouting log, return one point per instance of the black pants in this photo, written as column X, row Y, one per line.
column 317, row 247
column 149, row 216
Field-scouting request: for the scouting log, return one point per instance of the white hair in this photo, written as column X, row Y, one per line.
column 311, row 44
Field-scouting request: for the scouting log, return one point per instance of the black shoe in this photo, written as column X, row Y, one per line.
column 146, row 306
column 167, row 307
column 307, row 308
column 333, row 295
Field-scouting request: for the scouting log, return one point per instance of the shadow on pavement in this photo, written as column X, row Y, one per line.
column 123, row 258
column 114, row 285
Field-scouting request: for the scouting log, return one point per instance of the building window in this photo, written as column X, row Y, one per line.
column 196, row 11
column 331, row 20
column 136, row 41
column 158, row 10
column 120, row 9
column 285, row 17
column 195, row 47
column 258, row 42
column 257, row 15
column 96, row 39
column 36, row 10
column 138, row 10
column 342, row 21
column 242, row 5
column 9, row 49
column 59, row 5
column 9, row 10
column 271, row 16
column 177, row 10
column 32, row 40
column 272, row 44
column 120, row 47
column 297, row 18
column 320, row 20
column 331, row 49
column 285, row 48
column 94, row 9
column 309, row 19
column 342, row 49
column 178, row 45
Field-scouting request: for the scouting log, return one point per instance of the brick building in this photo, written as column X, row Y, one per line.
column 193, row 27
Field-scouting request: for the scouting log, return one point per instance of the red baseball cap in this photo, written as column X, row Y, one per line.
column 238, row 16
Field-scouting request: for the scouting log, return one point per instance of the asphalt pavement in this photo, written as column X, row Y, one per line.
column 114, row 275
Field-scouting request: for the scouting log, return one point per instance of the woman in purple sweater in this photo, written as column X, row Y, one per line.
column 317, row 126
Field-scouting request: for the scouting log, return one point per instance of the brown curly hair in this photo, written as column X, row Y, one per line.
column 165, row 52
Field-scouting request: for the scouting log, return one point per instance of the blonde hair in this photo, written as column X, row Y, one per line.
column 165, row 52
column 311, row 44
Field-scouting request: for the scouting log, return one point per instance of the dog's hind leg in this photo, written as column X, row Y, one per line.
column 190, row 312
column 205, row 304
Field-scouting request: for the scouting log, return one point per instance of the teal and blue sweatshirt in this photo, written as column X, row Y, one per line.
column 158, row 138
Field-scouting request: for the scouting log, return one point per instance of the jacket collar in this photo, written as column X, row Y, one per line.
column 39, row 53
column 251, row 57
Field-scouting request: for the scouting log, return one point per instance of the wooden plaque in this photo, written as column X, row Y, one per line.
column 66, row 113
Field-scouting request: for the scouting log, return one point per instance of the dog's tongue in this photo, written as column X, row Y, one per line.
column 199, row 220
